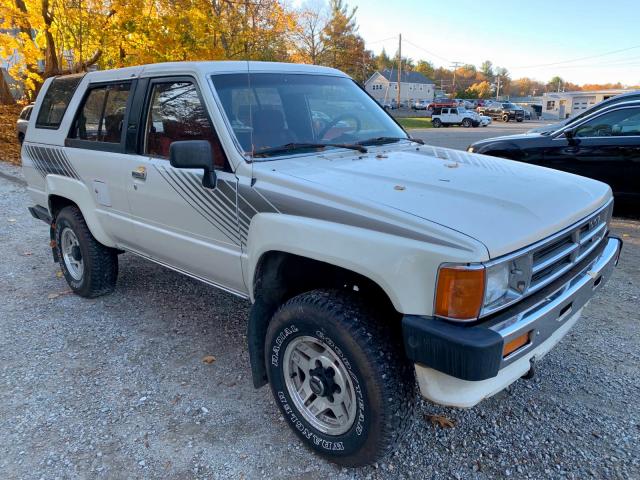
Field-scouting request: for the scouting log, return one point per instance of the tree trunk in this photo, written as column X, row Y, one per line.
column 5, row 92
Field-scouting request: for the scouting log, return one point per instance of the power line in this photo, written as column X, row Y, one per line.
column 578, row 59
column 427, row 51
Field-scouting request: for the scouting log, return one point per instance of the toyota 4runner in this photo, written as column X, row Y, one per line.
column 370, row 259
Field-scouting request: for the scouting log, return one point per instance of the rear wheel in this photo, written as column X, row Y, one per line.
column 21, row 137
column 90, row 268
column 339, row 377
column 436, row 123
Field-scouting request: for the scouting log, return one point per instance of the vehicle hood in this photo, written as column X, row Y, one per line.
column 504, row 204
column 509, row 138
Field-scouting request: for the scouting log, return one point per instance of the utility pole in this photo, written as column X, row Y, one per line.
column 455, row 66
column 498, row 89
column 399, row 67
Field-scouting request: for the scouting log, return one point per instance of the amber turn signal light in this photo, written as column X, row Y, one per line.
column 515, row 344
column 460, row 292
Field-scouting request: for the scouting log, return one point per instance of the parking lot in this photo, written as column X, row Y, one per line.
column 116, row 387
column 460, row 138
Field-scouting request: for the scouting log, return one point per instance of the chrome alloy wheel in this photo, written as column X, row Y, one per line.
column 319, row 385
column 71, row 253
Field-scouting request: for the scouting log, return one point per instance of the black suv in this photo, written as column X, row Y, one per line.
column 504, row 111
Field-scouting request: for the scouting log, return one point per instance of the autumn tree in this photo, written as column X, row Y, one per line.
column 308, row 36
column 481, row 90
column 426, row 68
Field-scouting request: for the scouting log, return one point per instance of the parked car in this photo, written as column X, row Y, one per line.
column 442, row 102
column 484, row 120
column 364, row 275
column 604, row 145
column 504, row 111
column 624, row 97
column 23, row 122
column 420, row 105
column 447, row 116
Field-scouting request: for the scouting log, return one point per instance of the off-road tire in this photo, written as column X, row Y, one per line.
column 436, row 123
column 466, row 123
column 519, row 120
column 384, row 382
column 21, row 138
column 505, row 118
column 100, row 270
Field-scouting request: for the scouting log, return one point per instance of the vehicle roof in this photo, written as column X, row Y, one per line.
column 209, row 67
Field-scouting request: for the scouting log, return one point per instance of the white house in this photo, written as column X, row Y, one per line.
column 561, row 105
column 383, row 86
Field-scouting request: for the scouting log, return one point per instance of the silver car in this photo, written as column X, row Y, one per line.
column 23, row 122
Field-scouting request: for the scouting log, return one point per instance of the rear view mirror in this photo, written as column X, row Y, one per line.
column 194, row 154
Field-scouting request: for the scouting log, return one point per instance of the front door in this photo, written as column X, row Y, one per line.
column 177, row 221
column 606, row 148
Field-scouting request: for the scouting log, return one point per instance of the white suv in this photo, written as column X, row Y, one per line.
column 370, row 259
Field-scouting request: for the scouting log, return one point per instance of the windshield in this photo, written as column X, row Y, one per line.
column 300, row 111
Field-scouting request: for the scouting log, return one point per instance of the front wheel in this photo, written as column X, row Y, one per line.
column 338, row 377
column 505, row 118
column 466, row 123
column 90, row 268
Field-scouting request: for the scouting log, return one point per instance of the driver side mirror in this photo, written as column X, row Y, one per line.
column 570, row 135
column 194, row 154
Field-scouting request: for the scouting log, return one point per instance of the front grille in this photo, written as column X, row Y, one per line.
column 557, row 255
column 536, row 266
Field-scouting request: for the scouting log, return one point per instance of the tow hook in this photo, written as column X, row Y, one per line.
column 532, row 369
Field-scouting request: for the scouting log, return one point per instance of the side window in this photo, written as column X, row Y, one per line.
column 101, row 116
column 56, row 100
column 175, row 112
column 616, row 123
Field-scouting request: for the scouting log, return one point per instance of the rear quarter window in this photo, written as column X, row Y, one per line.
column 56, row 100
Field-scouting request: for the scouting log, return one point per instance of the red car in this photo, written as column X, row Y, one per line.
column 442, row 102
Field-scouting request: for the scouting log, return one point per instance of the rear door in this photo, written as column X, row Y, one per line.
column 177, row 221
column 95, row 149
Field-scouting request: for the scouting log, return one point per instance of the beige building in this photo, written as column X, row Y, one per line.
column 561, row 105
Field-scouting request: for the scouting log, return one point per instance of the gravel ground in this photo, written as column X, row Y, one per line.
column 116, row 387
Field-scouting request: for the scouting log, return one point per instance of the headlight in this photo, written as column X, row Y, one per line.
column 467, row 292
column 497, row 283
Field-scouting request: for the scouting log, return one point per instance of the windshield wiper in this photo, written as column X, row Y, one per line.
column 383, row 140
column 291, row 147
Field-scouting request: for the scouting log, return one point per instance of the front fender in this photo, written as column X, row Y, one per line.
column 404, row 268
column 78, row 193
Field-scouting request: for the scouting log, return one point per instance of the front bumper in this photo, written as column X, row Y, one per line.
column 460, row 365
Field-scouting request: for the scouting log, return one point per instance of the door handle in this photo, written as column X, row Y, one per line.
column 139, row 173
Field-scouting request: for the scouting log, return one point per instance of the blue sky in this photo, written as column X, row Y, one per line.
column 519, row 35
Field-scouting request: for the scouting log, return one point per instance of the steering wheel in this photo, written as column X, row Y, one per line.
column 603, row 130
column 337, row 120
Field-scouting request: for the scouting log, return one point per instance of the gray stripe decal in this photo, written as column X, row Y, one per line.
column 221, row 223
column 203, row 213
column 36, row 163
column 308, row 209
column 172, row 179
column 225, row 217
column 65, row 162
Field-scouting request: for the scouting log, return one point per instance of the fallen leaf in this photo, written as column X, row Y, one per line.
column 59, row 274
column 51, row 296
column 11, row 220
column 209, row 359
column 452, row 165
column 440, row 420
column 399, row 187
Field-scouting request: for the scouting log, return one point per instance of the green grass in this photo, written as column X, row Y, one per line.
column 415, row 122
